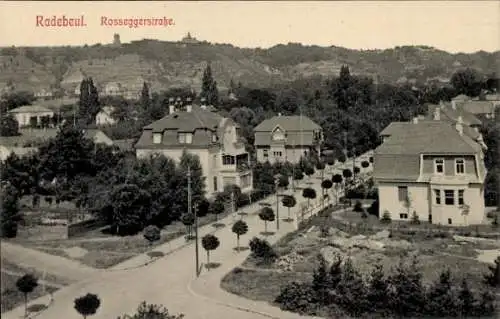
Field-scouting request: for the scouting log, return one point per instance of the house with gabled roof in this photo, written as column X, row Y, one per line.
column 287, row 138
column 432, row 169
column 31, row 115
column 198, row 130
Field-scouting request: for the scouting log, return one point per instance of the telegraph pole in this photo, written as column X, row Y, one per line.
column 276, row 182
column 195, row 220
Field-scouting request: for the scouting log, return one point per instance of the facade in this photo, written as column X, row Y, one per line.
column 44, row 93
column 287, row 139
column 24, row 114
column 433, row 169
column 104, row 116
column 202, row 132
column 113, row 89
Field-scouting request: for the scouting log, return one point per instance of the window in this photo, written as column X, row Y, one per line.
column 449, row 197
column 181, row 137
column 402, row 193
column 460, row 197
column 214, row 138
column 439, row 166
column 265, row 153
column 189, row 138
column 437, row 196
column 215, row 183
column 449, row 221
column 278, row 135
column 277, row 154
column 403, row 216
column 228, row 160
column 156, row 138
column 459, row 166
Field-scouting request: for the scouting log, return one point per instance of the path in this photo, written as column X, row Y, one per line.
column 168, row 280
column 56, row 265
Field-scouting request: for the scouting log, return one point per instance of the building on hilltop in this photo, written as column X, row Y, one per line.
column 198, row 130
column 189, row 40
column 433, row 169
column 287, row 139
column 116, row 40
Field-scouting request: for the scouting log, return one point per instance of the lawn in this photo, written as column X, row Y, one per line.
column 434, row 254
column 11, row 297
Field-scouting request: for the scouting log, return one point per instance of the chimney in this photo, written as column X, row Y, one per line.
column 415, row 120
column 203, row 103
column 454, row 105
column 459, row 126
column 171, row 105
column 437, row 114
column 189, row 105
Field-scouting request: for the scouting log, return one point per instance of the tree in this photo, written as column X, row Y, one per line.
column 152, row 311
column 298, row 175
column 320, row 166
column 356, row 170
column 467, row 81
column 309, row 170
column 326, row 185
column 378, row 290
column 321, row 282
column 8, row 125
column 131, row 207
column 441, row 297
column 466, row 299
column 365, row 164
column 350, row 292
column 151, row 233
column 88, row 105
column 10, row 216
column 87, row 305
column 209, row 243
column 493, row 278
column 26, row 284
column 239, row 228
column 330, row 160
column 188, row 220
column 347, row 173
column 309, row 193
column 218, row 205
column 408, row 293
column 209, row 87
column 267, row 215
column 145, row 98
column 337, row 180
column 191, row 162
column 289, row 201
column 262, row 250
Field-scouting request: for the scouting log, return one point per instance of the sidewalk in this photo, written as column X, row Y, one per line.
column 168, row 280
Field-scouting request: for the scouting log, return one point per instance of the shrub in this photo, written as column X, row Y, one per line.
column 296, row 297
column 386, row 217
column 151, row 233
column 262, row 250
column 414, row 219
column 87, row 305
column 373, row 209
column 358, row 207
column 152, row 311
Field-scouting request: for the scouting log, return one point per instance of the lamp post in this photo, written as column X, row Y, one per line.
column 276, row 183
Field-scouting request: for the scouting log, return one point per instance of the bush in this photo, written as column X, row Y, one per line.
column 358, row 207
column 262, row 250
column 386, row 218
column 297, row 297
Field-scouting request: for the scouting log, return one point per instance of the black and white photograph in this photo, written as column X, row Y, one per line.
column 249, row 159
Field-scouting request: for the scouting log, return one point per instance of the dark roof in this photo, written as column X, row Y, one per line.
column 398, row 158
column 288, row 123
column 203, row 123
column 448, row 112
column 198, row 118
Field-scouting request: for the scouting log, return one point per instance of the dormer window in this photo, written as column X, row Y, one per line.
column 157, row 138
column 439, row 166
column 185, row 138
column 214, row 138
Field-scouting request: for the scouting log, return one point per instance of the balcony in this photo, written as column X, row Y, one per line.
column 238, row 163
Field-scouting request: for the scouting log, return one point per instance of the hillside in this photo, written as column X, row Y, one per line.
column 167, row 64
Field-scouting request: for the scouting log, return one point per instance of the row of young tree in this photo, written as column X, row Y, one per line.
column 339, row 289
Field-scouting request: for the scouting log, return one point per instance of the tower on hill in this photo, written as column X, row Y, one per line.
column 116, row 40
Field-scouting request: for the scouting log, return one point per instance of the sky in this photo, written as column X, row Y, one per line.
column 454, row 26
